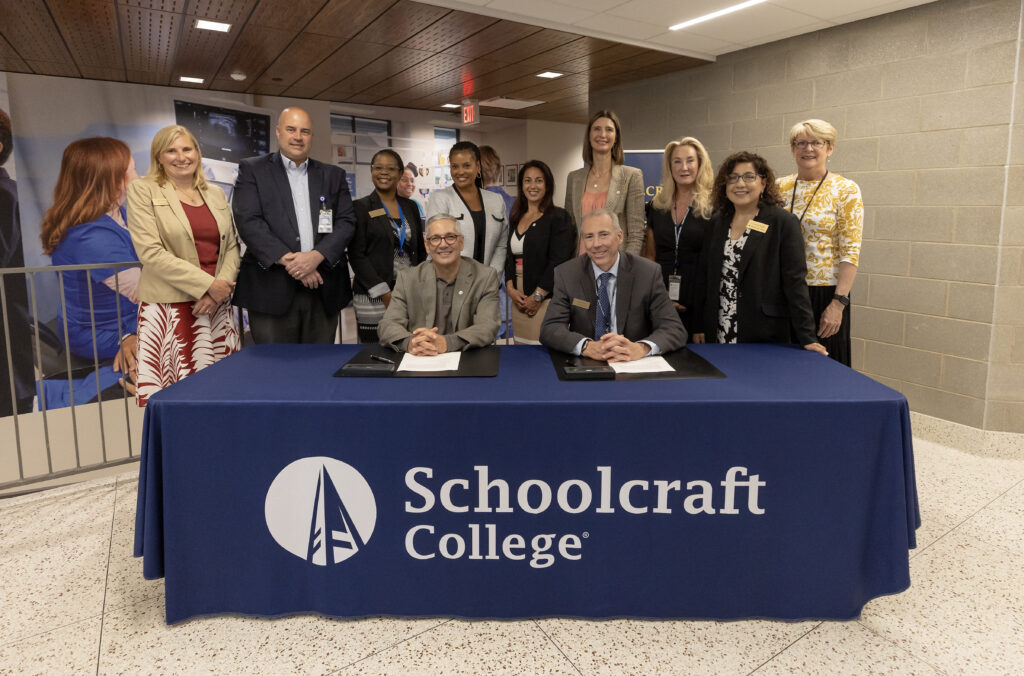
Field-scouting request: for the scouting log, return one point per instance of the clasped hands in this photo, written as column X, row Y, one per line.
column 525, row 304
column 214, row 297
column 302, row 265
column 427, row 343
column 615, row 347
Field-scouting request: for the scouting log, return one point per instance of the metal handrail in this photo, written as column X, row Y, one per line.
column 5, row 317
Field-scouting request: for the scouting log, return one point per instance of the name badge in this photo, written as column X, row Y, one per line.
column 377, row 212
column 160, row 202
column 581, row 303
column 325, row 224
column 674, row 284
column 758, row 225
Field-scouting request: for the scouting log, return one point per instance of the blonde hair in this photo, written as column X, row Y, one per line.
column 703, row 189
column 814, row 128
column 163, row 140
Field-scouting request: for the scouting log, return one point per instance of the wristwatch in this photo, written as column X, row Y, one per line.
column 843, row 300
column 538, row 296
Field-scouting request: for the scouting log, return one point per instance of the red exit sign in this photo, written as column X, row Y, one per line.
column 470, row 112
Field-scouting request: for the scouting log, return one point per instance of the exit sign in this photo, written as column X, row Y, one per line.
column 470, row 112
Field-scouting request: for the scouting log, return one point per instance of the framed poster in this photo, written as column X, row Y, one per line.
column 511, row 174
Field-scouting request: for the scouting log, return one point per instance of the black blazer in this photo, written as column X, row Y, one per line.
column 691, row 242
column 265, row 218
column 372, row 252
column 548, row 243
column 773, row 305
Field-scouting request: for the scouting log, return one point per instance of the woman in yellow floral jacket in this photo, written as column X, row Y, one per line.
column 831, row 214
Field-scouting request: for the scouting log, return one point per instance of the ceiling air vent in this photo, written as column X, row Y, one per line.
column 509, row 104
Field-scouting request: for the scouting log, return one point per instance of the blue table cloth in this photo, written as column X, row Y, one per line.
column 785, row 490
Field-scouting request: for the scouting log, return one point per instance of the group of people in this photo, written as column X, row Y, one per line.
column 733, row 257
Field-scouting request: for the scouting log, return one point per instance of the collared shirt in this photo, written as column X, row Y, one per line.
column 612, row 286
column 443, row 314
column 299, row 183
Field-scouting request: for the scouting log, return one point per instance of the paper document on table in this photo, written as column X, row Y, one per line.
column 449, row 361
column 647, row 365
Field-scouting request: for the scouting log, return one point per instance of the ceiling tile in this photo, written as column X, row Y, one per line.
column 256, row 48
column 592, row 5
column 667, row 13
column 291, row 15
column 617, row 25
column 401, row 22
column 352, row 56
column 684, row 39
column 448, row 31
column 225, row 11
column 751, row 23
column 345, row 18
column 542, row 9
column 492, row 38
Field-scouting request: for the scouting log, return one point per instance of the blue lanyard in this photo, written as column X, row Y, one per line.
column 679, row 229
column 401, row 229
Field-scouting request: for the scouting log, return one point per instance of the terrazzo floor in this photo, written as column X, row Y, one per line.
column 73, row 600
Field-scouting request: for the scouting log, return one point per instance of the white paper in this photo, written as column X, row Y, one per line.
column 449, row 361
column 646, row 365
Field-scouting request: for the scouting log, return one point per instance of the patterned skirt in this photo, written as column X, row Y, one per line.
column 369, row 312
column 174, row 344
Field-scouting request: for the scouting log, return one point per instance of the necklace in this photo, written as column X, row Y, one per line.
column 190, row 196
column 792, row 200
column 597, row 177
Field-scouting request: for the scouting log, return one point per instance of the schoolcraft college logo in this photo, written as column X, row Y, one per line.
column 321, row 510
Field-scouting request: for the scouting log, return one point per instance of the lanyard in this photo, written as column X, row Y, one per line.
column 679, row 229
column 792, row 200
column 401, row 229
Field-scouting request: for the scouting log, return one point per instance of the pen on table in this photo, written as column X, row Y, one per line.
column 376, row 357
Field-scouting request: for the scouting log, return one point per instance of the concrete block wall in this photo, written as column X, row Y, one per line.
column 930, row 115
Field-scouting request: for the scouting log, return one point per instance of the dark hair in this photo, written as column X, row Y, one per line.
column 770, row 194
column 6, row 137
column 467, row 147
column 521, row 205
column 394, row 155
column 490, row 165
column 618, row 157
column 411, row 167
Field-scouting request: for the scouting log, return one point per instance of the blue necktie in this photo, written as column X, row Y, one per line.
column 603, row 324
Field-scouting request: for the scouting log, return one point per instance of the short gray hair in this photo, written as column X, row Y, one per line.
column 441, row 217
column 602, row 212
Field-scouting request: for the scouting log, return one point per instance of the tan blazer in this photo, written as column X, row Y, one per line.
column 625, row 199
column 166, row 247
column 474, row 314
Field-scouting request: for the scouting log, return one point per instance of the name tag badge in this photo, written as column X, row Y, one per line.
column 581, row 303
column 674, row 284
column 160, row 202
column 758, row 225
column 377, row 212
column 325, row 225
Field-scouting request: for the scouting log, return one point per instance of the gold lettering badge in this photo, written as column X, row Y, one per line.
column 581, row 303
column 758, row 225
column 377, row 212
column 160, row 202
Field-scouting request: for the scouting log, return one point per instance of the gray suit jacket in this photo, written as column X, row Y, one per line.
column 643, row 310
column 474, row 315
column 625, row 199
column 447, row 201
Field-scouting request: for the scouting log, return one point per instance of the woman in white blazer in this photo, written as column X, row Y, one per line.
column 604, row 181
column 481, row 213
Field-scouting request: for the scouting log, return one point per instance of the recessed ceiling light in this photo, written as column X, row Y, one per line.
column 550, row 74
column 213, row 25
column 193, row 80
column 715, row 15
column 238, row 76
column 450, row 105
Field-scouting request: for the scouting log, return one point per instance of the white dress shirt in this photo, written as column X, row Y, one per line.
column 299, row 183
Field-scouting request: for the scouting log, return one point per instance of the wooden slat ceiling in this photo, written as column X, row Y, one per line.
column 383, row 52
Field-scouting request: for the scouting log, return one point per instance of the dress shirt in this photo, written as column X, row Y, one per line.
column 300, row 200
column 612, row 286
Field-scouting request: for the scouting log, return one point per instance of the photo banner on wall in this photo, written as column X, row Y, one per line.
column 15, row 337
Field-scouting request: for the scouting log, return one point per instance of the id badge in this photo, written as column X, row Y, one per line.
column 325, row 225
column 674, row 283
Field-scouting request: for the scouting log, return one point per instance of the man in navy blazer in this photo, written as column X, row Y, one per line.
column 639, row 321
column 295, row 216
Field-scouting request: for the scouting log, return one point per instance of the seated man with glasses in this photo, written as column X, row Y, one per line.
column 445, row 304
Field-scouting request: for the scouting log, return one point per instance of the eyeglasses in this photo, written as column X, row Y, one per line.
column 804, row 145
column 450, row 238
column 748, row 178
column 383, row 170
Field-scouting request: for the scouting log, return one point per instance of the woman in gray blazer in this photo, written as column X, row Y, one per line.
column 481, row 213
column 604, row 181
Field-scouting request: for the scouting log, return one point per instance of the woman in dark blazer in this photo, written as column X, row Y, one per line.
column 677, row 221
column 754, row 286
column 388, row 238
column 541, row 238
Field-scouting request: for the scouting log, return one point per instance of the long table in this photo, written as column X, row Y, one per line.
column 785, row 490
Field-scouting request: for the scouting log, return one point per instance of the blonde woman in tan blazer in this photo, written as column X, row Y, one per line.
column 184, row 234
column 605, row 182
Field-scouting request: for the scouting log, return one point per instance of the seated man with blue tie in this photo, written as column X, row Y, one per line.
column 445, row 304
column 610, row 305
